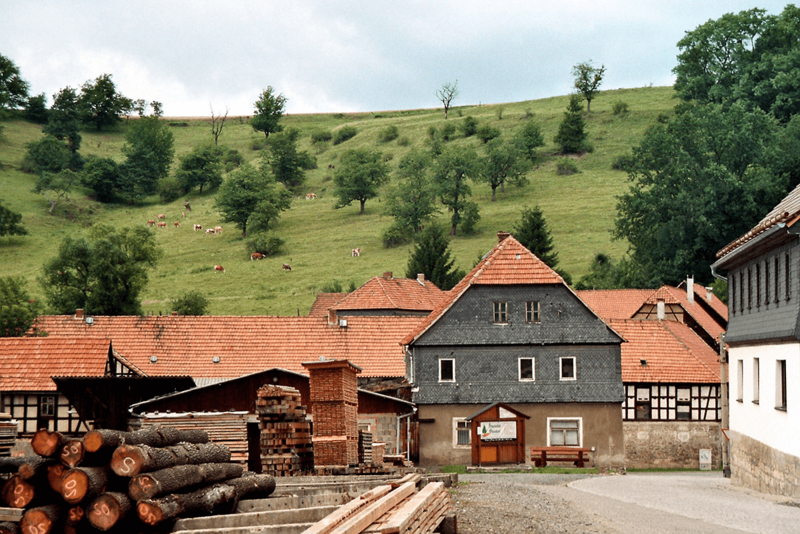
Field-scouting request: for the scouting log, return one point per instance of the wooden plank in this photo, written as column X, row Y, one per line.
column 328, row 523
column 411, row 477
column 11, row 514
column 366, row 517
column 400, row 519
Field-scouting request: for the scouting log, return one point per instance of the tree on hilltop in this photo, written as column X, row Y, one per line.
column 13, row 89
column 587, row 81
column 101, row 104
column 270, row 107
column 446, row 95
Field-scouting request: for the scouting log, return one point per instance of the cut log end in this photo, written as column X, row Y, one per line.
column 72, row 453
column 142, row 487
column 149, row 514
column 106, row 511
column 93, row 441
column 46, row 443
column 18, row 493
column 40, row 520
column 127, row 461
column 74, row 485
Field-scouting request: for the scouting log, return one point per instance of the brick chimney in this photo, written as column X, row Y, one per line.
column 690, row 289
column 421, row 278
column 79, row 313
column 501, row 236
column 387, row 275
column 332, row 318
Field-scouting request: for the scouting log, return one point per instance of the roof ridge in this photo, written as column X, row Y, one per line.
column 685, row 346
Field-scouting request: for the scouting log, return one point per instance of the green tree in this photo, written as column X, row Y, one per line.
column 36, row 109
column 190, row 303
column 64, row 118
column 100, row 103
column 270, row 107
column 10, row 222
column 359, row 175
column 200, row 167
column 534, row 234
column 251, row 198
column 18, row 311
column 149, row 150
column 528, row 139
column 587, row 81
column 288, row 164
column 431, row 257
column 13, row 89
column 503, row 164
column 46, row 155
column 698, row 182
column 412, row 199
column 446, row 94
column 451, row 172
column 571, row 136
column 103, row 272
column 55, row 186
column 605, row 273
column 104, row 177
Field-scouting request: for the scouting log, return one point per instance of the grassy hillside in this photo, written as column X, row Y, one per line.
column 580, row 209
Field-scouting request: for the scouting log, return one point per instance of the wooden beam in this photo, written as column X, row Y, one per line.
column 328, row 523
column 366, row 517
column 405, row 514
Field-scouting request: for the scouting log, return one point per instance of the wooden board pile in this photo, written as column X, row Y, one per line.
column 364, row 447
column 132, row 482
column 394, row 508
column 8, row 434
column 225, row 428
column 286, row 448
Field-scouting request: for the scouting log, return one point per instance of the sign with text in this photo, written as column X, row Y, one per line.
column 498, row 430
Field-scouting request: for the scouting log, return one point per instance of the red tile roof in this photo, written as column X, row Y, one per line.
column 386, row 293
column 614, row 303
column 673, row 351
column 188, row 344
column 697, row 311
column 709, row 298
column 27, row 363
column 323, row 302
column 508, row 263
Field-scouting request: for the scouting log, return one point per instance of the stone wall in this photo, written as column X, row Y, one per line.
column 757, row 466
column 671, row 443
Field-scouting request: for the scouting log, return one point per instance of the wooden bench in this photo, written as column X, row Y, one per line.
column 541, row 455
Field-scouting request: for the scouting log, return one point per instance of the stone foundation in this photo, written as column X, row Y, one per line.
column 758, row 466
column 671, row 443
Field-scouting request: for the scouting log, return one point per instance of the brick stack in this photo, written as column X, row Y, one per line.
column 334, row 400
column 286, row 448
column 378, row 450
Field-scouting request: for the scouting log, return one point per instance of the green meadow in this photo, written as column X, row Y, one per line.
column 579, row 209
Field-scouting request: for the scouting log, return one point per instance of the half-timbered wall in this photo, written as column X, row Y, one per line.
column 49, row 410
column 671, row 402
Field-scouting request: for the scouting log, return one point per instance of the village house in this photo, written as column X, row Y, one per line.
column 514, row 343
column 763, row 338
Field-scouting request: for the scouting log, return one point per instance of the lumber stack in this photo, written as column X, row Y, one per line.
column 138, row 482
column 8, row 434
column 286, row 447
column 226, row 428
column 364, row 447
column 394, row 509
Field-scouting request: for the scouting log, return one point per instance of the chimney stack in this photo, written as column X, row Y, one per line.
column 332, row 319
column 79, row 313
column 421, row 278
column 660, row 309
column 690, row 289
column 387, row 275
column 501, row 236
column 710, row 293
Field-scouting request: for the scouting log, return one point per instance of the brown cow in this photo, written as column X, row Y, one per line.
column 219, row 268
column 176, row 223
column 197, row 227
column 151, row 222
column 356, row 252
column 162, row 224
column 256, row 256
column 311, row 196
column 287, row 267
column 210, row 231
column 161, row 216
column 217, row 229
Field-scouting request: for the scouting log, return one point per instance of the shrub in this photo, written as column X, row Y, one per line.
column 432, row 132
column 566, row 167
column 448, row 131
column 265, row 243
column 321, row 136
column 169, row 189
column 620, row 107
column 190, row 303
column 486, row 133
column 343, row 134
column 469, row 218
column 390, row 133
column 257, row 143
column 469, row 126
column 395, row 235
column 387, row 156
column 528, row 114
column 404, row 141
column 622, row 163
column 499, row 113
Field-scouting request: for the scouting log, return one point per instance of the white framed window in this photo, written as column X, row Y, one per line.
column 563, row 431
column 683, row 404
column 447, row 370
column 527, row 369
column 755, row 380
column 567, row 368
column 500, row 313
column 740, row 380
column 533, row 312
column 462, row 433
column 780, row 385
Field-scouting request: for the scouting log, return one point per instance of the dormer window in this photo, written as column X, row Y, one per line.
column 500, row 313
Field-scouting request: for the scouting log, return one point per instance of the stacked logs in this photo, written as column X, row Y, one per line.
column 286, row 447
column 123, row 481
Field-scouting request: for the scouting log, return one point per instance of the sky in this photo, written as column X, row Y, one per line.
column 347, row 56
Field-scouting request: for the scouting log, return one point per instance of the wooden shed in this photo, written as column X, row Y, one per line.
column 498, row 435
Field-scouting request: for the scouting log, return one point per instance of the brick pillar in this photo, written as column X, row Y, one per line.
column 334, row 400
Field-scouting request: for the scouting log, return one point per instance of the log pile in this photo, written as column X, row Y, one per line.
column 390, row 509
column 286, row 447
column 122, row 481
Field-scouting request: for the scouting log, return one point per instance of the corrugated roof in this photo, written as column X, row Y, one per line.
column 184, row 345
column 27, row 363
column 388, row 293
column 674, row 353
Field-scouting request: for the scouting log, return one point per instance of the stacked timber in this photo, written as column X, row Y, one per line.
column 395, row 508
column 286, row 447
column 122, row 481
column 226, row 428
column 8, row 434
column 364, row 447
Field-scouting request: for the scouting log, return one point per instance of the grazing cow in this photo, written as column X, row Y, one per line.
column 210, row 231
column 287, row 267
column 330, row 166
column 256, row 256
column 162, row 224
column 151, row 222
column 218, row 229
column 219, row 268
column 311, row 196
column 161, row 216
column 184, row 214
column 197, row 227
column 355, row 252
column 176, row 223
column 187, row 206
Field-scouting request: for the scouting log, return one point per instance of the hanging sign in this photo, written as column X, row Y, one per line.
column 498, row 430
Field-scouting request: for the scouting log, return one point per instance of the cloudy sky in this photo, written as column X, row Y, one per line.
column 327, row 56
